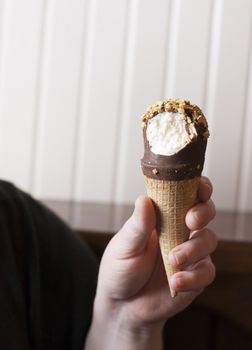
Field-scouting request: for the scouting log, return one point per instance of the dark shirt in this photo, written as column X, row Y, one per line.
column 47, row 277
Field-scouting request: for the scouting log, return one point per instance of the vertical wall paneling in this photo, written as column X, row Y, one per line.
column 57, row 110
column 188, row 50
column 212, row 71
column 143, row 84
column 244, row 190
column 76, row 76
column 2, row 47
column 227, row 100
column 99, row 117
column 19, row 69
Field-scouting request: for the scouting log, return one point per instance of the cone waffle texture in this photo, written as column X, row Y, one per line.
column 172, row 200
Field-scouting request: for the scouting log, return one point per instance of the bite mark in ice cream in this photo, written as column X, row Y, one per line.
column 168, row 133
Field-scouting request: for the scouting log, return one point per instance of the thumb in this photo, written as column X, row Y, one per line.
column 132, row 239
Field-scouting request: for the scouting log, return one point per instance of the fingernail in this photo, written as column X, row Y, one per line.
column 172, row 282
column 136, row 208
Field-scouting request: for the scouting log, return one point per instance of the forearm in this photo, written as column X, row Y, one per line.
column 112, row 332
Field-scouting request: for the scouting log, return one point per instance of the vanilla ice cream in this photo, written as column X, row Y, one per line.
column 175, row 134
column 168, row 133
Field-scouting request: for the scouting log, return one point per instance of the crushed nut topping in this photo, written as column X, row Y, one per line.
column 190, row 111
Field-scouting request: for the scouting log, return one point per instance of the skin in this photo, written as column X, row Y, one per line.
column 133, row 301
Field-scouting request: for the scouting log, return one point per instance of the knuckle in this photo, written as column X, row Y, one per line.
column 206, row 180
column 212, row 208
column 184, row 254
column 211, row 239
column 133, row 226
column 196, row 217
column 178, row 281
column 189, row 253
column 211, row 271
column 203, row 213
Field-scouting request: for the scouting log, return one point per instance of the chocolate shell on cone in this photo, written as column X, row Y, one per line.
column 172, row 181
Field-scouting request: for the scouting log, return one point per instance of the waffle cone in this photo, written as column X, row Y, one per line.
column 172, row 200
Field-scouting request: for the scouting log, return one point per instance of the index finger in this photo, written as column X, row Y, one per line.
column 205, row 189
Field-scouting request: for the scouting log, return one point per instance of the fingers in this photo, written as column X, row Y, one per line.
column 200, row 245
column 136, row 232
column 193, row 256
column 205, row 189
column 200, row 215
column 201, row 275
column 193, row 259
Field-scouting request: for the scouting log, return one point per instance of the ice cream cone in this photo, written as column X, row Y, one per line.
column 175, row 138
column 172, row 200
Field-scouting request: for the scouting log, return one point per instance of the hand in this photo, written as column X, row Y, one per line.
column 132, row 284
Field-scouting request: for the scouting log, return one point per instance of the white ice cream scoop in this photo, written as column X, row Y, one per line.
column 169, row 132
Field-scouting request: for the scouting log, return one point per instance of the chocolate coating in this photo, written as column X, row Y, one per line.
column 185, row 164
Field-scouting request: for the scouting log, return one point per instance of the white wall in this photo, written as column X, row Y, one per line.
column 75, row 77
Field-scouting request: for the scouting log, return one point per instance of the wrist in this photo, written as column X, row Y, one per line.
column 111, row 328
column 141, row 337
